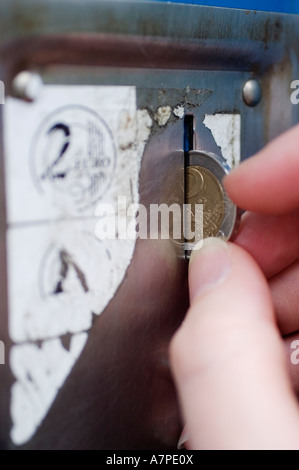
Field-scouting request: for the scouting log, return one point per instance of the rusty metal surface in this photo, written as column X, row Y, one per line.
column 119, row 394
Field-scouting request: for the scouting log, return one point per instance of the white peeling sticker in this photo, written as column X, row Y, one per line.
column 179, row 112
column 73, row 149
column 162, row 115
column 226, row 130
column 40, row 372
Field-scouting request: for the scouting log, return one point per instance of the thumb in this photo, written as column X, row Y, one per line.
column 228, row 359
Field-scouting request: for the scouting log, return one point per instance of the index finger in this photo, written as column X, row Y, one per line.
column 268, row 182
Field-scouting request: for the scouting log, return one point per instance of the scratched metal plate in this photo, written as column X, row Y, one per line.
column 179, row 60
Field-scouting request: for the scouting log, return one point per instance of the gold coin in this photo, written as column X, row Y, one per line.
column 202, row 187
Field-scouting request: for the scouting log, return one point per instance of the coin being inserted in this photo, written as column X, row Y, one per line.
column 204, row 188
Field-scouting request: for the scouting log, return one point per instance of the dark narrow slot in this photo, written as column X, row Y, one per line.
column 188, row 145
column 188, row 133
column 188, row 142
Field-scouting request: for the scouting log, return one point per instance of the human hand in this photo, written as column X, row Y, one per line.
column 236, row 384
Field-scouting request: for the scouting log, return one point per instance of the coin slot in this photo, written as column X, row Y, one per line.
column 188, row 133
column 188, row 146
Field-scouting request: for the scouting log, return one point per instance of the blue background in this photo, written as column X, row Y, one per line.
column 286, row 6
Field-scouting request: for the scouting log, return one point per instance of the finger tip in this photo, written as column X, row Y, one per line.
column 209, row 264
column 211, row 243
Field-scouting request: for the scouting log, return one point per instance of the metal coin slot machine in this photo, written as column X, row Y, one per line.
column 115, row 115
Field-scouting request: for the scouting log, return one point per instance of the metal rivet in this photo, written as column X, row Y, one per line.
column 252, row 92
column 27, row 85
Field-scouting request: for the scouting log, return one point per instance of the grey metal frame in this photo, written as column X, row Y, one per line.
column 154, row 46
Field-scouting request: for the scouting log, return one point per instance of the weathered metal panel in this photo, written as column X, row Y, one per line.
column 119, row 77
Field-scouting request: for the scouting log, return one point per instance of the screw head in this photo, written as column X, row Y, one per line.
column 252, row 92
column 27, row 85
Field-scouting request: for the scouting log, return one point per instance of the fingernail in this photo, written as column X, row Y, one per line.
column 210, row 265
column 184, row 438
